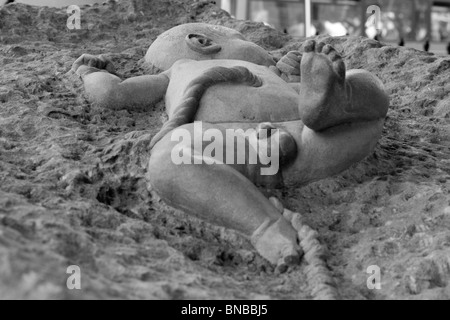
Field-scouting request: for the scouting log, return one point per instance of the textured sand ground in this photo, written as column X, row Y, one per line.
column 73, row 191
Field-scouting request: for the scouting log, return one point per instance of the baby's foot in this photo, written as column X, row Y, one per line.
column 323, row 95
column 277, row 242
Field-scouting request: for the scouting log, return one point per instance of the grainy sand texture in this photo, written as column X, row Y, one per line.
column 73, row 189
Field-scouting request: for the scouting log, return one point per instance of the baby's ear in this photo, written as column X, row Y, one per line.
column 202, row 44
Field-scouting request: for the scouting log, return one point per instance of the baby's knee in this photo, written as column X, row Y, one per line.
column 160, row 165
column 368, row 93
column 165, row 156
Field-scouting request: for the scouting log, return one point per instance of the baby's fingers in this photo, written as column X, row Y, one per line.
column 289, row 67
column 106, row 64
column 290, row 63
column 294, row 56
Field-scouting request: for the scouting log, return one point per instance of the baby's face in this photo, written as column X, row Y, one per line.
column 199, row 41
column 241, row 49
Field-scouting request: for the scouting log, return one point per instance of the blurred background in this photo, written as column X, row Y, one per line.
column 421, row 24
column 55, row 3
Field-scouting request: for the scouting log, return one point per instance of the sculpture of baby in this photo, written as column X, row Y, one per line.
column 211, row 75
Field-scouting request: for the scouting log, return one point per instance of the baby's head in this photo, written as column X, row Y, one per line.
column 201, row 41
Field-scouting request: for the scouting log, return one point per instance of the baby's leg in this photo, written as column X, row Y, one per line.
column 330, row 97
column 222, row 195
column 329, row 152
column 343, row 114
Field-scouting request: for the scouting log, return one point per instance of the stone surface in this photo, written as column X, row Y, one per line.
column 72, row 187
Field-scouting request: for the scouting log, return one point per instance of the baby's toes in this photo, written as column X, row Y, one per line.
column 309, row 45
column 320, row 46
column 290, row 256
column 339, row 67
column 335, row 58
column 331, row 52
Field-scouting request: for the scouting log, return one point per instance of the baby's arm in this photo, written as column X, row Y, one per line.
column 109, row 91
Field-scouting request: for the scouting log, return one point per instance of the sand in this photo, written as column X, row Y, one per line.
column 73, row 188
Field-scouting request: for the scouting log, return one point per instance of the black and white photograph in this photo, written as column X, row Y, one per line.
column 229, row 154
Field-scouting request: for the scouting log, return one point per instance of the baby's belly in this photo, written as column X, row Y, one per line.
column 274, row 100
column 239, row 103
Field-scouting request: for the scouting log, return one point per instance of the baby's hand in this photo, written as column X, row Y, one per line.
column 289, row 66
column 88, row 62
